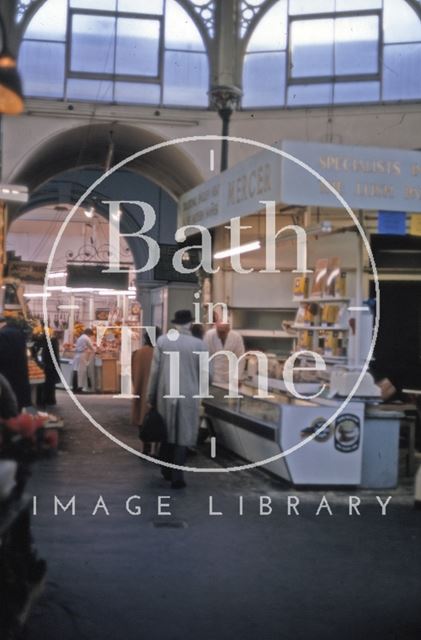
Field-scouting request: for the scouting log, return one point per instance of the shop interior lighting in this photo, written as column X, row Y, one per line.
column 235, row 251
column 55, row 288
column 58, row 274
column 37, row 295
column 78, row 290
column 68, row 306
column 114, row 292
column 13, row 192
column 89, row 213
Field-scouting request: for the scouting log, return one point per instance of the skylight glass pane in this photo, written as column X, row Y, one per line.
column 354, row 92
column 311, row 48
column 137, row 46
column 401, row 72
column 49, row 22
column 309, row 94
column 41, row 65
column 271, row 31
column 105, row 5
column 356, row 45
column 356, row 5
column 141, row 6
column 92, row 44
column 264, row 80
column 186, row 79
column 180, row 30
column 400, row 22
column 92, row 90
column 297, row 7
column 137, row 93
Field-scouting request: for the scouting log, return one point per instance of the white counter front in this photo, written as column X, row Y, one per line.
column 259, row 429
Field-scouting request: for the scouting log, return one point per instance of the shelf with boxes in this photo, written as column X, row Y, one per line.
column 322, row 319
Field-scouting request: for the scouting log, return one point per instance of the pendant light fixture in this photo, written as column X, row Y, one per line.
column 11, row 98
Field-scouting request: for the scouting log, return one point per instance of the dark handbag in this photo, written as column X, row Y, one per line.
column 153, row 428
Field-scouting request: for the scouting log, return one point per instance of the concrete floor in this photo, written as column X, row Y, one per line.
column 122, row 577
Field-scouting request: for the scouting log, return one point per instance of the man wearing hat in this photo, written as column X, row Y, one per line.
column 181, row 414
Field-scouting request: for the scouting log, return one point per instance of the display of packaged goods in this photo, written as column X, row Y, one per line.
column 341, row 345
column 340, row 285
column 330, row 314
column 305, row 340
column 333, row 274
column 321, row 340
column 301, row 287
column 331, row 343
column 319, row 279
column 312, row 311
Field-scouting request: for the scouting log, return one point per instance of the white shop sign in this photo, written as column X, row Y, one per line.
column 367, row 177
column 235, row 192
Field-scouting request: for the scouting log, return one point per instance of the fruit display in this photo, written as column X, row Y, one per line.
column 79, row 328
column 36, row 374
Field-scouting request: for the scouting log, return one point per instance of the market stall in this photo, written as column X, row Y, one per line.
column 324, row 310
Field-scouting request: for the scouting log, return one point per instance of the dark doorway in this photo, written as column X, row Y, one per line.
column 398, row 348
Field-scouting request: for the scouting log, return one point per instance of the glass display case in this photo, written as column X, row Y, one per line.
column 261, row 410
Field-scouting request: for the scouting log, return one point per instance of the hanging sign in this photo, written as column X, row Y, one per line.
column 392, row 223
column 369, row 178
column 28, row 272
column 415, row 225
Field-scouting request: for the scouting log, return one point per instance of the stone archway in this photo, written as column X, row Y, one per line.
column 87, row 147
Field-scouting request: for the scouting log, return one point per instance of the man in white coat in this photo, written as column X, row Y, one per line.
column 181, row 414
column 223, row 338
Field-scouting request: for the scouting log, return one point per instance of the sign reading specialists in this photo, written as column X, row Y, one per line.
column 367, row 177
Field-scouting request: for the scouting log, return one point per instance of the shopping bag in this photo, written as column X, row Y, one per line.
column 153, row 428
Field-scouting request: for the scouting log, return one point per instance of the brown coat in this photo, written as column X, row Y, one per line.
column 141, row 366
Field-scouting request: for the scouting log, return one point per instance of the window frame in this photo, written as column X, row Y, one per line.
column 335, row 78
column 115, row 81
column 113, row 77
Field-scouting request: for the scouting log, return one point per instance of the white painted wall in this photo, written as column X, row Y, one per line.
column 379, row 125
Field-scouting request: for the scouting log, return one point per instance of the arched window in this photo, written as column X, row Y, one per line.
column 122, row 51
column 321, row 52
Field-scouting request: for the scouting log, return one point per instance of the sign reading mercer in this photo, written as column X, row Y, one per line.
column 368, row 178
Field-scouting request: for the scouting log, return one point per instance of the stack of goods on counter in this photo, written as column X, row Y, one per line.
column 36, row 374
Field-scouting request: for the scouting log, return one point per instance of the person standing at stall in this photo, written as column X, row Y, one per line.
column 223, row 338
column 181, row 413
column 14, row 361
column 141, row 367
column 84, row 354
column 46, row 393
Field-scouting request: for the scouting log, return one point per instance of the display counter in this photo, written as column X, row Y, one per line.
column 107, row 372
column 350, row 451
